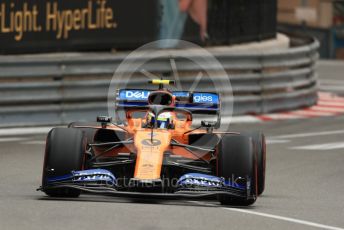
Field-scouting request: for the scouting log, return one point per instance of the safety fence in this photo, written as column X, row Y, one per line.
column 58, row 89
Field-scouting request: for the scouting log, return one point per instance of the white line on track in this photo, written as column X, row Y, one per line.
column 287, row 219
column 33, row 143
column 279, row 141
column 11, row 139
column 272, row 216
column 313, row 134
column 327, row 146
column 242, row 119
column 24, row 131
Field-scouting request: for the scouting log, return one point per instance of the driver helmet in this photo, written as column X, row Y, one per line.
column 164, row 120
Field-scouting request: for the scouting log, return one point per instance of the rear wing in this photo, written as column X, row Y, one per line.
column 196, row 102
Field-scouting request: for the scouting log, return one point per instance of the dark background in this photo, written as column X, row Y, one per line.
column 229, row 22
column 137, row 25
column 237, row 21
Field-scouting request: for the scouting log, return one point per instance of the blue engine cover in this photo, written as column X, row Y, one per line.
column 101, row 176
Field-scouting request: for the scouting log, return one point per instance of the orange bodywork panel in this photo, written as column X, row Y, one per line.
column 150, row 153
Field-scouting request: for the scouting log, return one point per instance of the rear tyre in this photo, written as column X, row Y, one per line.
column 236, row 158
column 260, row 147
column 65, row 149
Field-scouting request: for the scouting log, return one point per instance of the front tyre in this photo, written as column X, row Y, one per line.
column 65, row 150
column 236, row 158
column 260, row 148
column 85, row 127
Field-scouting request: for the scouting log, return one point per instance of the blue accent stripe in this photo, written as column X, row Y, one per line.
column 132, row 104
column 60, row 178
column 202, row 102
column 203, row 107
column 84, row 176
column 203, row 180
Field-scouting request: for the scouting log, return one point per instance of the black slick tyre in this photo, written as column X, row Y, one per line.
column 260, row 148
column 236, row 158
column 65, row 151
column 89, row 132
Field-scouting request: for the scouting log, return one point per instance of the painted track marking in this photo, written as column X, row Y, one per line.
column 24, row 131
column 272, row 216
column 278, row 141
column 287, row 219
column 311, row 134
column 33, row 143
column 327, row 146
column 12, row 139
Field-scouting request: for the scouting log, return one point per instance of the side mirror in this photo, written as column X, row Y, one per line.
column 104, row 120
column 208, row 124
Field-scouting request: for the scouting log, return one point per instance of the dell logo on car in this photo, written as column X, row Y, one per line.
column 136, row 94
column 200, row 98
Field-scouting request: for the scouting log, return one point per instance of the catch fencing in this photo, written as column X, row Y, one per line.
column 58, row 89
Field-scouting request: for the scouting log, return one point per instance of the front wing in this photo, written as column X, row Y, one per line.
column 191, row 185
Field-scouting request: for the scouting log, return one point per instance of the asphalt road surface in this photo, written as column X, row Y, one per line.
column 304, row 187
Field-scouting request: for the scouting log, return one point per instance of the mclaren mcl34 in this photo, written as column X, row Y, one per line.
column 156, row 151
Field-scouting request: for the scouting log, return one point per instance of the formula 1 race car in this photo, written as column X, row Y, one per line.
column 156, row 152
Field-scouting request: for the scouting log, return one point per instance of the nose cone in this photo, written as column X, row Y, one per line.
column 150, row 153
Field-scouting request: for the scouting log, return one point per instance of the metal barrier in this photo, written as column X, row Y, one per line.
column 52, row 90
